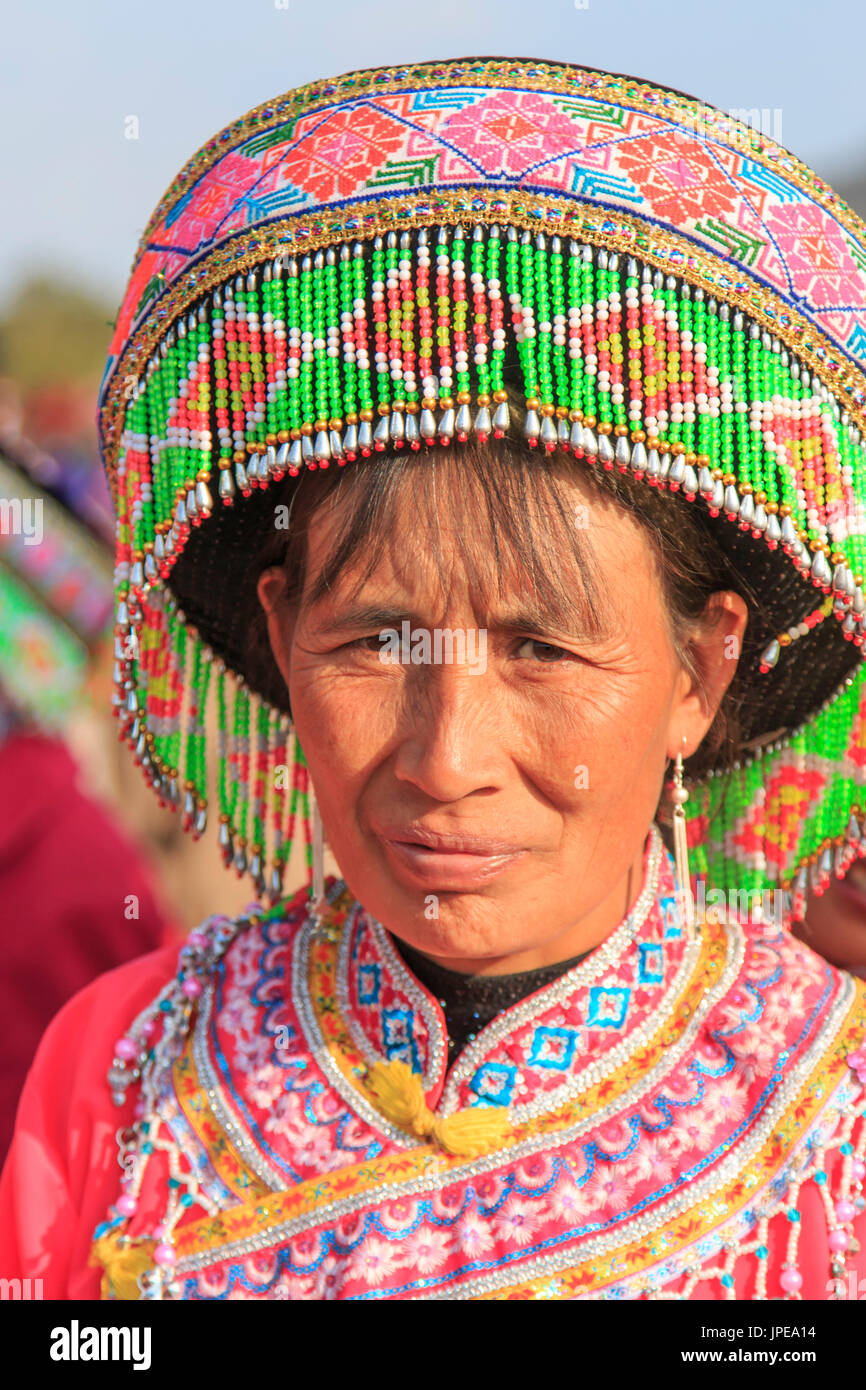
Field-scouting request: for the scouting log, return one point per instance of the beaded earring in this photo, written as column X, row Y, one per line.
column 679, row 796
column 317, row 867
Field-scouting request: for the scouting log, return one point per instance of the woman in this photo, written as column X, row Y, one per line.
column 523, row 500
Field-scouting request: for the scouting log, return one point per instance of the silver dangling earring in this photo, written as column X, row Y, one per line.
column 679, row 796
column 317, row 882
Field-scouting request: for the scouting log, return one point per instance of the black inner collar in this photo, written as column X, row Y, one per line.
column 470, row 1002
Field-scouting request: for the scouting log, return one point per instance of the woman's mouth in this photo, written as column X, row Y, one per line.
column 446, row 860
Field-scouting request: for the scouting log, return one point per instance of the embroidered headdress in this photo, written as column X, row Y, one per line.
column 352, row 267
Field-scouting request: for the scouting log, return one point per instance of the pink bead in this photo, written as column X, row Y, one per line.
column 164, row 1254
column 126, row 1049
column 159, row 1231
column 149, row 1029
column 192, row 987
column 858, row 1168
column 838, row 1241
column 791, row 1280
column 140, row 1110
column 127, row 1204
column 197, row 939
column 845, row 1211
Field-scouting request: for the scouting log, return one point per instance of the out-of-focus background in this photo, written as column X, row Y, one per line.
column 100, row 105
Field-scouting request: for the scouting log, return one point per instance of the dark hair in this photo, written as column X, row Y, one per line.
column 503, row 484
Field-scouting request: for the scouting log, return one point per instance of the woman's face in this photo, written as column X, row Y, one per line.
column 492, row 811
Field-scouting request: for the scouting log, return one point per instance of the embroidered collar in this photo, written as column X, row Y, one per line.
column 471, row 1002
column 534, row 1056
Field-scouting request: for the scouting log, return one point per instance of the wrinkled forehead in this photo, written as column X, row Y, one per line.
column 449, row 532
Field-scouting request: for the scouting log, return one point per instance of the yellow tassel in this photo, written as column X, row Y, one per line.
column 472, row 1132
column 400, row 1096
column 121, row 1265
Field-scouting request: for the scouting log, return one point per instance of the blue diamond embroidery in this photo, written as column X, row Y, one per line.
column 397, row 1037
column 671, row 925
column 608, row 1005
column 651, row 963
column 493, row 1083
column 553, row 1048
column 369, row 983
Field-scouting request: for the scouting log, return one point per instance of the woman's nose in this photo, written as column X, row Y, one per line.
column 456, row 733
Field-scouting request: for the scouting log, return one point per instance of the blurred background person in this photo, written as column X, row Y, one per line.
column 76, row 897
column 835, row 922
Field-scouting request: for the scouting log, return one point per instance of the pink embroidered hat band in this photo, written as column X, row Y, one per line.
column 408, row 258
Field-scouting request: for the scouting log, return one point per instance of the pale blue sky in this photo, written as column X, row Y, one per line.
column 77, row 193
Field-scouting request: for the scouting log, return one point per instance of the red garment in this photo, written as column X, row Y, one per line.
column 61, row 1173
column 67, row 878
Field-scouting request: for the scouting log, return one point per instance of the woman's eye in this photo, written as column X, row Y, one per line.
column 535, row 650
column 372, row 642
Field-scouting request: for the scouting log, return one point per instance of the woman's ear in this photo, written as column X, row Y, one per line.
column 271, row 589
column 714, row 649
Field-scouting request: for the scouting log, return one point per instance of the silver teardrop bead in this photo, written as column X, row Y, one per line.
column 531, row 425
column 605, row 450
column 463, row 420
column 677, row 471
column 690, row 481
column 770, row 654
column 483, row 422
column 820, row 569
column 549, row 434
column 789, row 533
column 446, row 424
